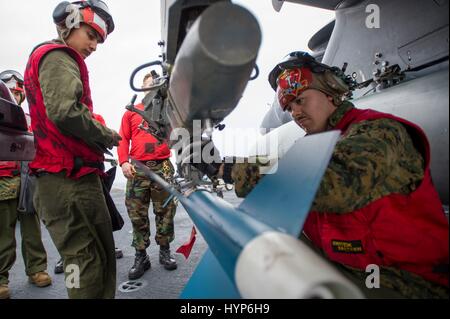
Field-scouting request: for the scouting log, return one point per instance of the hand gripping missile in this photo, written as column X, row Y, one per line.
column 254, row 250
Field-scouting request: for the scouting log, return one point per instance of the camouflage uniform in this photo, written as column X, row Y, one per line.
column 33, row 251
column 382, row 160
column 245, row 177
column 140, row 190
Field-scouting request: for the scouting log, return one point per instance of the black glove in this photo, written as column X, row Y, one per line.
column 227, row 170
column 204, row 156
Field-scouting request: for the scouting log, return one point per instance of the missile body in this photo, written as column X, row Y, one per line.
column 254, row 250
column 213, row 65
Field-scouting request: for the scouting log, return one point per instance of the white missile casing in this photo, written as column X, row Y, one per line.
column 273, row 259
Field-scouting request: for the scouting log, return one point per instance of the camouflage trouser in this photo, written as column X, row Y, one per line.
column 397, row 283
column 140, row 190
column 394, row 283
column 33, row 251
column 77, row 218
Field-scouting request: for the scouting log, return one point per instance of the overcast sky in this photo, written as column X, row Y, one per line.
column 25, row 23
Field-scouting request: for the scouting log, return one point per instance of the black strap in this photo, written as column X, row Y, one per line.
column 78, row 163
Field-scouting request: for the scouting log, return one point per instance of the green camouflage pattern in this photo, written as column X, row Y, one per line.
column 140, row 192
column 373, row 159
column 401, row 282
column 9, row 187
column 246, row 175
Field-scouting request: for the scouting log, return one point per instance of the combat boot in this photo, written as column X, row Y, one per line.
column 4, row 291
column 141, row 264
column 40, row 279
column 166, row 259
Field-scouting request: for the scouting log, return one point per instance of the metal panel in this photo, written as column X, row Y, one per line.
column 417, row 24
column 16, row 145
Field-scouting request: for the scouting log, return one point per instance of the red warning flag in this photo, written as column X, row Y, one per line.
column 186, row 248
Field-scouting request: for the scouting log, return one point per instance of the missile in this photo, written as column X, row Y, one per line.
column 275, row 117
column 254, row 250
column 213, row 66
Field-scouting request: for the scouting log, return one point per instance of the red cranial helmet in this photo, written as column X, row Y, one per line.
column 94, row 13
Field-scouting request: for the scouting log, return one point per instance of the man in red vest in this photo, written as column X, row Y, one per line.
column 70, row 145
column 376, row 204
column 59, row 267
column 33, row 251
column 141, row 190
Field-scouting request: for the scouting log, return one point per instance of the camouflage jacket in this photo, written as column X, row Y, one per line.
column 374, row 159
column 9, row 187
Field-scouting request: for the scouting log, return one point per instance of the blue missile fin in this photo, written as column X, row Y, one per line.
column 209, row 281
column 282, row 200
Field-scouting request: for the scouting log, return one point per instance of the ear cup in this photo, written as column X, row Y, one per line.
column 60, row 13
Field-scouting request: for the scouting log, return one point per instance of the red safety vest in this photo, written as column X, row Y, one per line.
column 55, row 151
column 408, row 232
column 9, row 169
column 144, row 146
column 99, row 119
